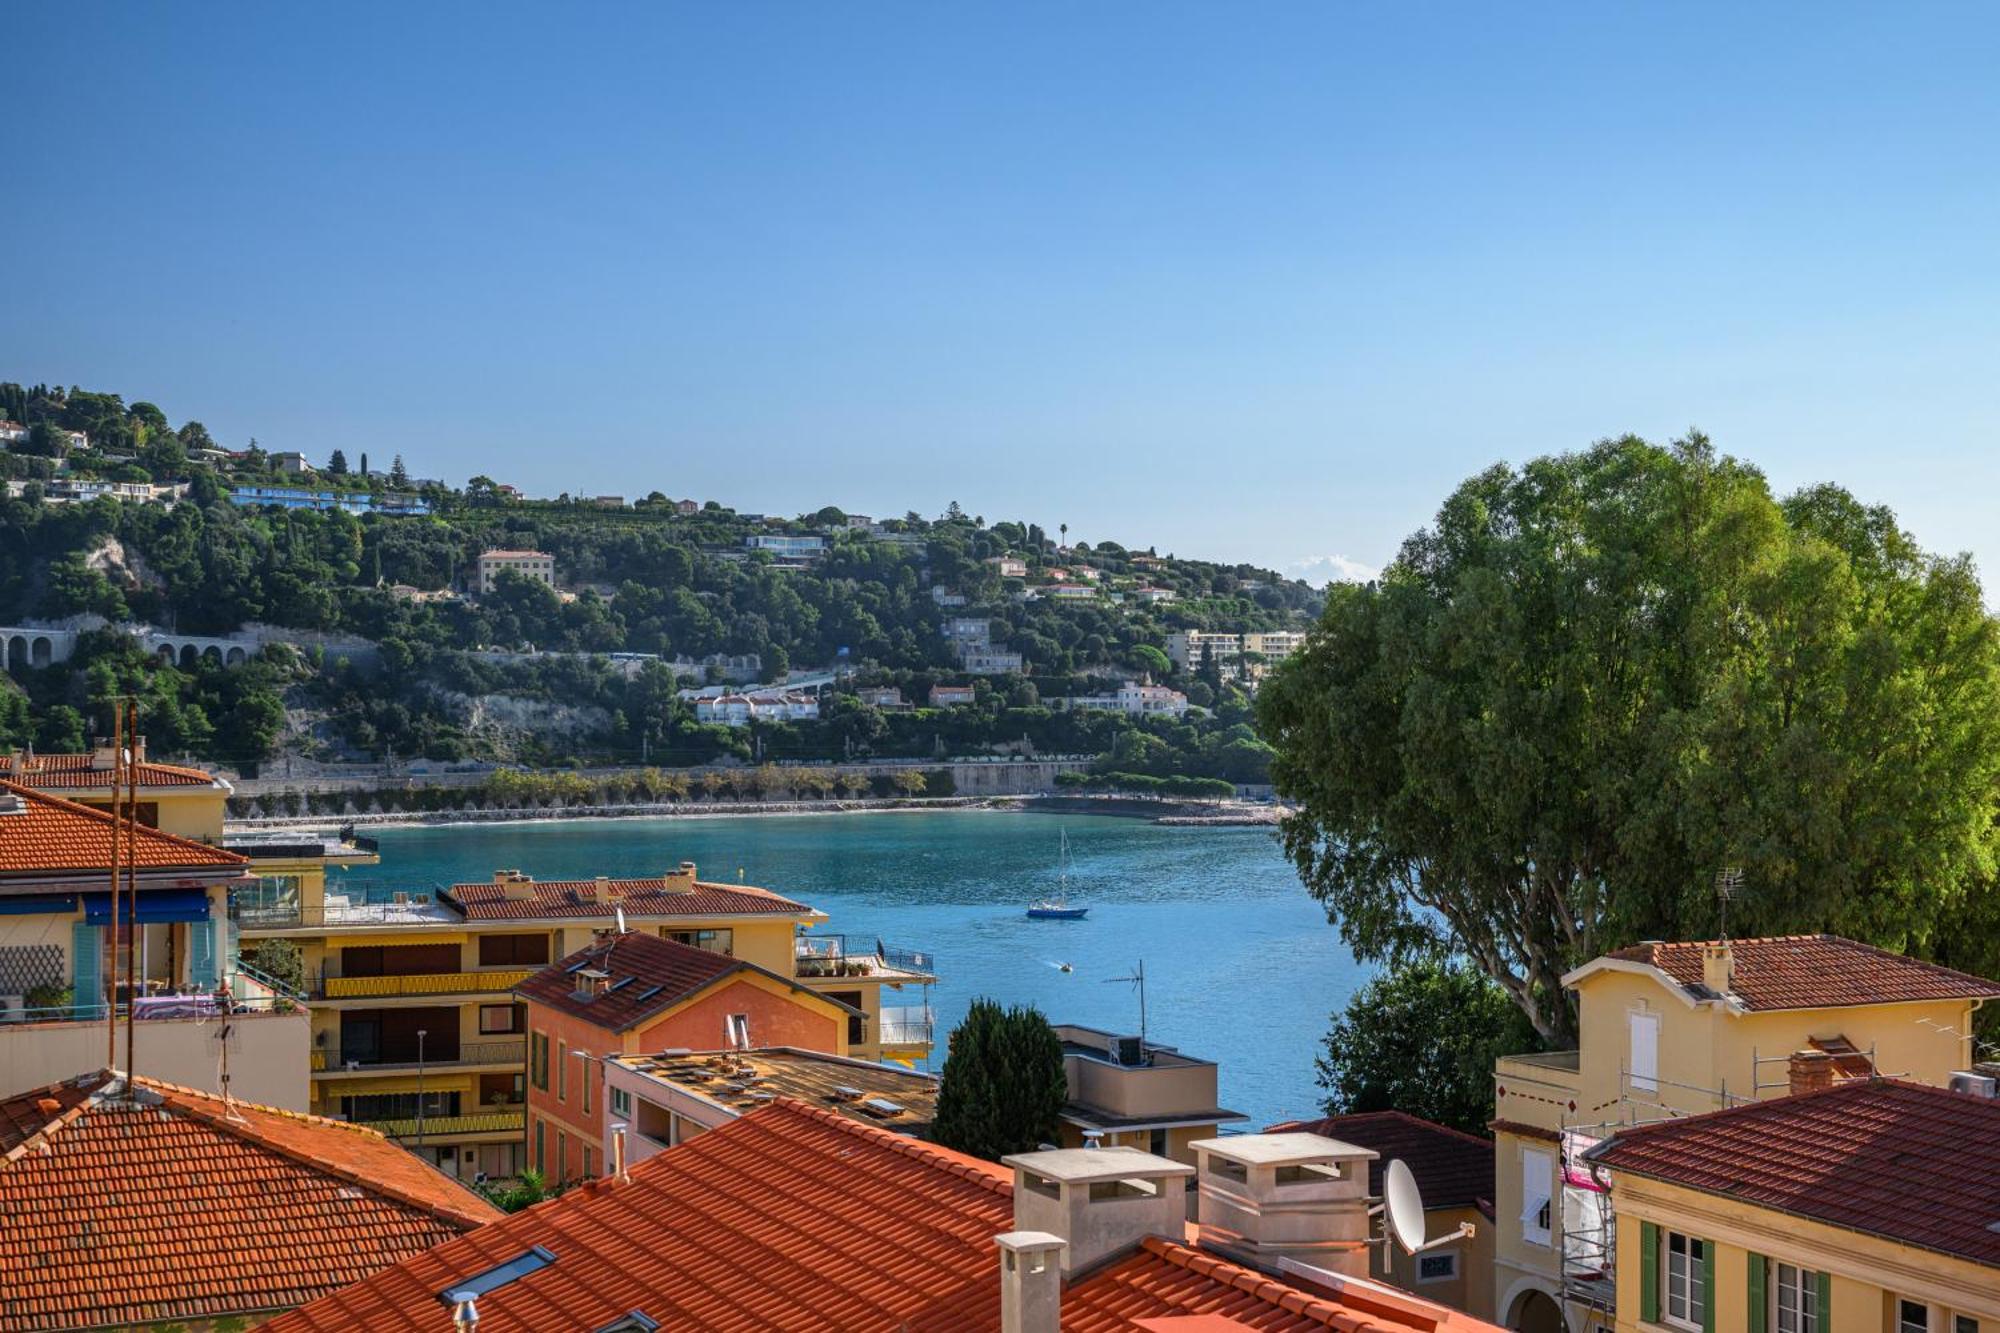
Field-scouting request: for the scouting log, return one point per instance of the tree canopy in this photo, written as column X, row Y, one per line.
column 1598, row 680
column 1003, row 1085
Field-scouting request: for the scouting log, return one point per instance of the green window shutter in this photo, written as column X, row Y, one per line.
column 86, row 957
column 201, row 954
column 1649, row 1272
column 1823, row 1316
column 1759, row 1268
column 1708, row 1286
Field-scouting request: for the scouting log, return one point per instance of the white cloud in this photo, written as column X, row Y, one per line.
column 1321, row 570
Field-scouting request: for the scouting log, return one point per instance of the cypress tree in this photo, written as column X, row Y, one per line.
column 1003, row 1085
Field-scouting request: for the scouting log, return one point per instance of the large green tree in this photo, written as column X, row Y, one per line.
column 1002, row 1086
column 1600, row 679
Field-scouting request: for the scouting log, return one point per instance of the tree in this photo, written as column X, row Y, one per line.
column 909, row 782
column 1003, row 1086
column 364, row 464
column 1597, row 681
column 399, row 476
column 337, row 465
column 281, row 961
column 46, row 439
column 1422, row 1039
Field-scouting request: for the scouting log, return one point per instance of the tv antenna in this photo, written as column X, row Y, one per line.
column 1138, row 980
column 1728, row 883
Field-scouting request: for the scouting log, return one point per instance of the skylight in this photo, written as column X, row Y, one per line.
column 479, row 1284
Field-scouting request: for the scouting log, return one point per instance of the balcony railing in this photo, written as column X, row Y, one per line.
column 419, row 907
column 152, row 1008
column 427, row 983
column 841, row 956
column 451, row 1126
column 512, row 1051
column 907, row 1026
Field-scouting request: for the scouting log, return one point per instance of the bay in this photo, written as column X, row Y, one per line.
column 1241, row 966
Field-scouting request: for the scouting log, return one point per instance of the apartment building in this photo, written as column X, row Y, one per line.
column 1132, row 699
column 1127, row 1092
column 950, row 696
column 1867, row 1206
column 739, row 710
column 629, row 992
column 416, row 1030
column 795, row 1216
column 666, row 1099
column 1670, row 1030
column 787, row 547
column 1189, row 648
column 537, row 565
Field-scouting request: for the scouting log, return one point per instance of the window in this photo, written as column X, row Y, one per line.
column 1794, row 1299
column 499, row 1018
column 513, row 950
column 736, row 1032
column 589, row 1164
column 538, row 1061
column 1687, row 1293
column 584, row 1076
column 541, row 1146
column 715, row 941
column 1437, row 1267
column 1537, row 1176
column 621, row 1102
column 1645, row 1063
column 1913, row 1317
column 562, row 1071
column 562, row 1157
column 1964, row 1323
column 1157, row 1143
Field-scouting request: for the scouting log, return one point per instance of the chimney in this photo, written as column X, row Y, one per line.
column 1030, row 1281
column 1100, row 1202
column 138, row 749
column 618, row 1171
column 1810, row 1071
column 1718, row 967
column 515, row 887
column 103, row 755
column 680, row 880
column 1270, row 1197
column 603, row 891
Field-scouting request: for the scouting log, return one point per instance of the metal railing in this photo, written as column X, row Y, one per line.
column 420, row 907
column 829, row 955
column 447, row 1126
column 513, row 1051
column 267, row 981
column 423, row 983
column 906, row 1026
column 153, row 1009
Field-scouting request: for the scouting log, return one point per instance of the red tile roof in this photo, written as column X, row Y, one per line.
column 795, row 1217
column 184, row 1207
column 71, row 771
column 1453, row 1169
column 1813, row 972
column 52, row 834
column 578, row 899
column 1910, row 1163
column 646, row 975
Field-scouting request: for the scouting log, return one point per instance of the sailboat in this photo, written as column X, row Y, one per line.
column 1056, row 907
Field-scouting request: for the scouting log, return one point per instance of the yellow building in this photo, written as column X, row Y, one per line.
column 1866, row 1207
column 413, row 1015
column 1126, row 1092
column 1671, row 1030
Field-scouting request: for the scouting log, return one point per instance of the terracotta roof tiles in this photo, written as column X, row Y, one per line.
column 1812, row 972
column 1900, row 1160
column 579, row 899
column 53, row 834
column 47, row 772
column 644, row 975
column 183, row 1207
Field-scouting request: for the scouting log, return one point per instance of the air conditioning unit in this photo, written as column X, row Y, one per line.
column 1131, row 1051
column 1979, row 1085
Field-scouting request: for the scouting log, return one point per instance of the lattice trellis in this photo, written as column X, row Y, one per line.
column 26, row 966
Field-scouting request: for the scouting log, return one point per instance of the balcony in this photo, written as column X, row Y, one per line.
column 422, row 984
column 510, row 1051
column 513, row 1121
column 174, row 1040
column 910, row 1025
column 837, row 956
column 341, row 847
column 409, row 907
column 1542, row 1091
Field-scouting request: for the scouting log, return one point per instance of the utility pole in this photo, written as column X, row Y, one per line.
column 421, row 1033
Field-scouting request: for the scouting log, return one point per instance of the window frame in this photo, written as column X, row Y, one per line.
column 514, row 1020
column 1540, row 1228
column 1693, row 1282
column 621, row 1103
column 1804, row 1285
column 1635, row 1021
column 1904, row 1324
column 562, row 1070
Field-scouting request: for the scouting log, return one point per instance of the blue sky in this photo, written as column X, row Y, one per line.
column 1243, row 282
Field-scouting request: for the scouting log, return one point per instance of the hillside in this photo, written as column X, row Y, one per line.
column 686, row 594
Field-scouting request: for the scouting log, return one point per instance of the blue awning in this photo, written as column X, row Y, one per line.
column 155, row 905
column 39, row 904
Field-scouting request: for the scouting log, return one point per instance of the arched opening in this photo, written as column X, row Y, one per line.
column 212, row 654
column 41, row 652
column 236, row 657
column 17, row 652
column 188, row 654
column 1536, row 1312
column 165, row 652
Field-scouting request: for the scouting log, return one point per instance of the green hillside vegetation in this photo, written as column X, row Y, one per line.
column 642, row 579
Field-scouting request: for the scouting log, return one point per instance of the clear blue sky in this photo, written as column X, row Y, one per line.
column 1246, row 282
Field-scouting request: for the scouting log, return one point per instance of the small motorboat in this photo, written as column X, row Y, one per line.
column 1056, row 907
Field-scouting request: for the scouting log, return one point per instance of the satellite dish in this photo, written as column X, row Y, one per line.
column 1405, row 1206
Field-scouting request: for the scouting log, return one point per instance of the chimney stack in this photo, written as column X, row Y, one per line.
column 515, row 887
column 1265, row 1198
column 618, row 1171
column 1810, row 1071
column 1100, row 1202
column 1030, row 1281
column 1718, row 967
column 680, row 880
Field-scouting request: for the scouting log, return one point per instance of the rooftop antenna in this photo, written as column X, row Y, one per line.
column 1138, row 979
column 621, row 920
column 1728, row 883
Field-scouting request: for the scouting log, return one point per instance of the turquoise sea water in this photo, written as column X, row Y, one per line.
column 1242, row 968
